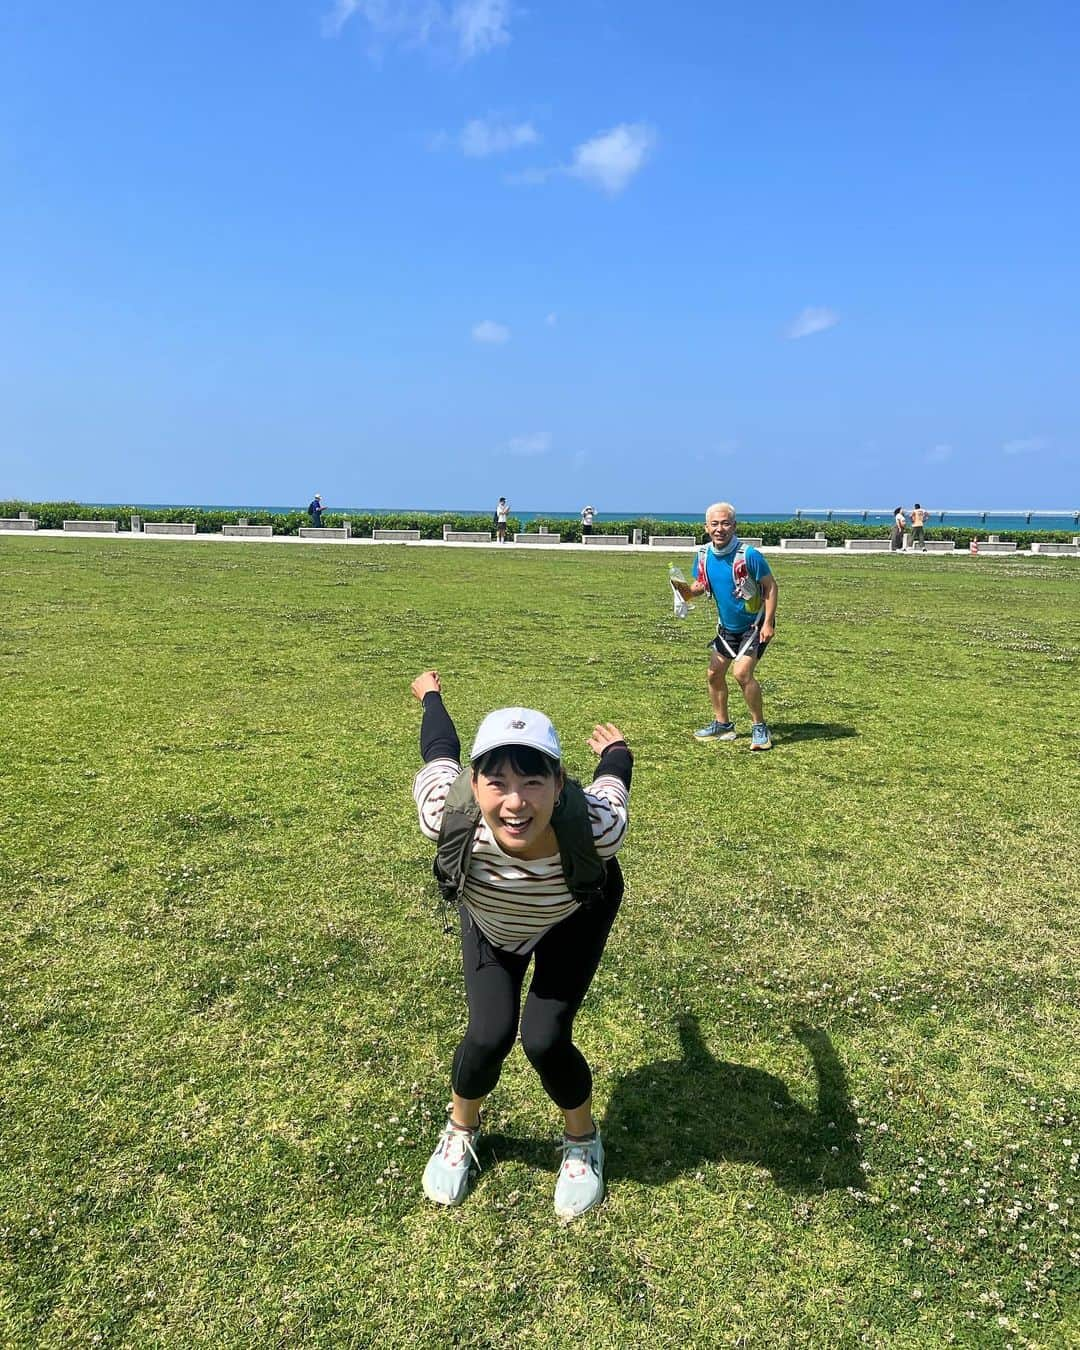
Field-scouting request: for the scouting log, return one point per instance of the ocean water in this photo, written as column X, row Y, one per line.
column 998, row 520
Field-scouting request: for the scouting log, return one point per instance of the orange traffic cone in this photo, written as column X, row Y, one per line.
column 974, row 547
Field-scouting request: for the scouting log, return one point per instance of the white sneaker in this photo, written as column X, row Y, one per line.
column 446, row 1176
column 581, row 1176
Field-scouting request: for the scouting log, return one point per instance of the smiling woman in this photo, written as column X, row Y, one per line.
column 516, row 788
column 528, row 858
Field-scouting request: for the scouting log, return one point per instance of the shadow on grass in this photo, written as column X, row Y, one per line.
column 790, row 732
column 539, row 1154
column 668, row 1118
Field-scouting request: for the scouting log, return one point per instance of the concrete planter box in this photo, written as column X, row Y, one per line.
column 805, row 543
column 1054, row 548
column 466, row 536
column 391, row 536
column 323, row 532
column 605, row 539
column 169, row 527
column 249, row 531
column 537, row 538
column 867, row 545
column 90, row 526
column 17, row 523
column 940, row 545
column 996, row 546
column 673, row 541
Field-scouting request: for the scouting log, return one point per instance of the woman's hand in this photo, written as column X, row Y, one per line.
column 605, row 735
column 427, row 682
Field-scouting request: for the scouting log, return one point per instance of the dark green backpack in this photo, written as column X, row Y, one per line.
column 584, row 869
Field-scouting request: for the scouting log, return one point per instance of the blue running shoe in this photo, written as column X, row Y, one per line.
column 581, row 1176
column 759, row 737
column 446, row 1177
column 716, row 731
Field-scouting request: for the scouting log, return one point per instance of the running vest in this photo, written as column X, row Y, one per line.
column 584, row 869
column 743, row 584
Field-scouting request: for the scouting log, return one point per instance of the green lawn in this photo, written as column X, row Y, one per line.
column 834, row 1035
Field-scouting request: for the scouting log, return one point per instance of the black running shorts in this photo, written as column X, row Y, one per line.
column 727, row 645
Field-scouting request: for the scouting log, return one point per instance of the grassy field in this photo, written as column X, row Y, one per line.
column 834, row 1035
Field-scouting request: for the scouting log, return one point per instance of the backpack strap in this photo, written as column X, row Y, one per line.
column 584, row 869
column 701, row 572
column 457, row 834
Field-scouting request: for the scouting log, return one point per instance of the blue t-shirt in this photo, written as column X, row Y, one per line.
column 735, row 612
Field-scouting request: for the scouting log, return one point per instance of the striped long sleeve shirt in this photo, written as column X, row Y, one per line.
column 515, row 901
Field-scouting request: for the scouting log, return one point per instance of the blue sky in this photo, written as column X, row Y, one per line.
column 424, row 252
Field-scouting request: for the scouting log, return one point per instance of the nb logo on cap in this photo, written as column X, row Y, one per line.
column 518, row 726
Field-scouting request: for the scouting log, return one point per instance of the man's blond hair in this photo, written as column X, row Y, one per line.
column 721, row 506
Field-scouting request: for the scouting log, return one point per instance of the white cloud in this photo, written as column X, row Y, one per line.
column 609, row 160
column 487, row 330
column 938, row 454
column 536, row 443
column 472, row 27
column 408, row 21
column 481, row 137
column 339, row 16
column 480, row 25
column 1029, row 445
column 812, row 320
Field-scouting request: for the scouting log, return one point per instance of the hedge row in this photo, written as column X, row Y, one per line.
column 51, row 515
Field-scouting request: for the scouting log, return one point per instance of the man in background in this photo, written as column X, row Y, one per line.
column 918, row 528
column 741, row 582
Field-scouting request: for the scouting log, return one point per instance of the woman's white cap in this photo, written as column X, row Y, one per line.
column 516, row 726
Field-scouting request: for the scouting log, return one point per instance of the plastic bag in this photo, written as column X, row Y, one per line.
column 682, row 607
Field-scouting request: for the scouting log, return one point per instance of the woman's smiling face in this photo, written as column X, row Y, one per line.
column 517, row 807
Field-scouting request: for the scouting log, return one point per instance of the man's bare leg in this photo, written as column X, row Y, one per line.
column 744, row 673
column 718, row 687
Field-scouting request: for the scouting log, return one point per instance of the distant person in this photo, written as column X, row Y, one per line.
column 527, row 858
column 502, row 510
column 898, row 526
column 315, row 510
column 741, row 582
column 588, row 515
column 918, row 528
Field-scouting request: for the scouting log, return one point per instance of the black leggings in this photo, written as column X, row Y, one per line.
column 566, row 960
